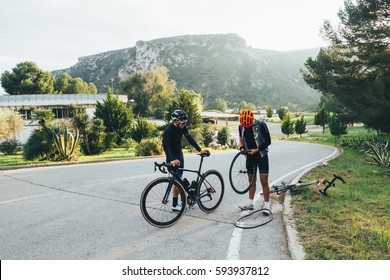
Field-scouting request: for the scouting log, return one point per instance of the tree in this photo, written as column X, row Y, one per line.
column 65, row 84
column 185, row 101
column 11, row 124
column 287, row 125
column 83, row 123
column 42, row 116
column 27, row 78
column 337, row 127
column 149, row 90
column 355, row 67
column 269, row 111
column 116, row 117
column 300, row 126
column 321, row 118
column 62, row 83
column 282, row 113
column 141, row 129
column 223, row 136
column 208, row 132
column 219, row 104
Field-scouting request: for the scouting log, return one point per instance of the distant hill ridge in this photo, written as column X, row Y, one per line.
column 216, row 65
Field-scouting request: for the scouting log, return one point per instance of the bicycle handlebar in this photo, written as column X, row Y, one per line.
column 161, row 166
column 339, row 178
column 331, row 183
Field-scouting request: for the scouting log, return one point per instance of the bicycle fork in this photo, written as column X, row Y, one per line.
column 165, row 199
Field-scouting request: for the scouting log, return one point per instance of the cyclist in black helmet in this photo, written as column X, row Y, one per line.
column 172, row 145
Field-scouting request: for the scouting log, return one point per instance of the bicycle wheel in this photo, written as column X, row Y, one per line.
column 210, row 191
column 238, row 174
column 156, row 204
column 278, row 189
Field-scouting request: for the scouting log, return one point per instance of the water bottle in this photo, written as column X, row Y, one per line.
column 192, row 189
column 186, row 183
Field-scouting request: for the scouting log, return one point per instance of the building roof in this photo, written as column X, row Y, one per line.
column 36, row 100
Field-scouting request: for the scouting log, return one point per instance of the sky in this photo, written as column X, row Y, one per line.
column 54, row 34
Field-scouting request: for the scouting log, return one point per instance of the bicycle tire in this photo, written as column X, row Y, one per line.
column 210, row 191
column 278, row 189
column 252, row 220
column 153, row 208
column 238, row 174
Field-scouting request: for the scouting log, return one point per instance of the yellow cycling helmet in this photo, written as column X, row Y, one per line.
column 246, row 117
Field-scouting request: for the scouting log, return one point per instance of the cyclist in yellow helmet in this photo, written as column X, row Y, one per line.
column 255, row 138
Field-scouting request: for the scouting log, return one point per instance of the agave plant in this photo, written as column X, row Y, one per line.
column 64, row 141
column 380, row 154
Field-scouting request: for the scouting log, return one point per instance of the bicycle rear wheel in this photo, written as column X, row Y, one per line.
column 278, row 189
column 210, row 191
column 238, row 174
column 156, row 205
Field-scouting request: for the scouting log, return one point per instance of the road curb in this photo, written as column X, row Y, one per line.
column 297, row 251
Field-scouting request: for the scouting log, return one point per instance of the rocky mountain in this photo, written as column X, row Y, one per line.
column 220, row 65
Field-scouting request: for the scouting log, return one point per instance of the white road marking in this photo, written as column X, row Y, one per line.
column 24, row 198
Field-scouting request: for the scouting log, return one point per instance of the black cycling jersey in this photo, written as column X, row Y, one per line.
column 172, row 142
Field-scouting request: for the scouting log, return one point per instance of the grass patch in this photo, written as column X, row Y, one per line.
column 354, row 221
column 17, row 160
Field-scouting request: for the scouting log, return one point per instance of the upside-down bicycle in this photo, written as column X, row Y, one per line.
column 240, row 183
column 207, row 191
column 294, row 187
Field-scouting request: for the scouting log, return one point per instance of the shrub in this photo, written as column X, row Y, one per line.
column 39, row 145
column 149, row 147
column 141, row 129
column 287, row 125
column 208, row 132
column 10, row 147
column 223, row 136
column 300, row 126
column 197, row 135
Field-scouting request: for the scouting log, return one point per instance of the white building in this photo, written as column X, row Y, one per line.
column 59, row 103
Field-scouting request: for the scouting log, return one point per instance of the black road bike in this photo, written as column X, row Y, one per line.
column 156, row 200
column 294, row 187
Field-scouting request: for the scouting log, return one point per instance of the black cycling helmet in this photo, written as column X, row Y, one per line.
column 179, row 115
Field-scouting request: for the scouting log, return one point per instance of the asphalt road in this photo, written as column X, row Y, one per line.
column 91, row 211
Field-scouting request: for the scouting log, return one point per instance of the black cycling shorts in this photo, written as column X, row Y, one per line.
column 256, row 160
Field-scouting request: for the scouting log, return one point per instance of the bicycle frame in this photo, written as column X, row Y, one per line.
column 294, row 187
column 173, row 175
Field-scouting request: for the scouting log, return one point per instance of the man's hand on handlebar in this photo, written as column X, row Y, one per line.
column 204, row 152
column 175, row 162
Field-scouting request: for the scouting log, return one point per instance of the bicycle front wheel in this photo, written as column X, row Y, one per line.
column 238, row 174
column 156, row 203
column 211, row 190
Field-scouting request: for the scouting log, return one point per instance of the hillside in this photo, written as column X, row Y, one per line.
column 219, row 65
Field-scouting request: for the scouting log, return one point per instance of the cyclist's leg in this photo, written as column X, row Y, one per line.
column 175, row 191
column 250, row 162
column 263, row 165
